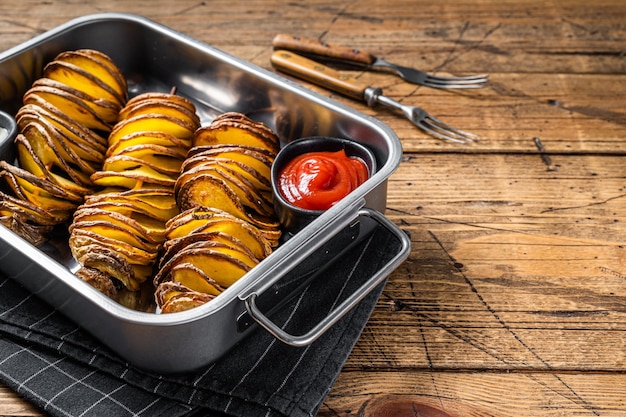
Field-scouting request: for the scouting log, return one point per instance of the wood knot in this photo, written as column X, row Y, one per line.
column 399, row 406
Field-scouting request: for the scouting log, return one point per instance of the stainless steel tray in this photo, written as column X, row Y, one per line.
column 155, row 58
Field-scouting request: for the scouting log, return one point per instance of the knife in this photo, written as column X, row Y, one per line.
column 343, row 55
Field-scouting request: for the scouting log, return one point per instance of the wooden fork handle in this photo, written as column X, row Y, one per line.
column 306, row 46
column 316, row 73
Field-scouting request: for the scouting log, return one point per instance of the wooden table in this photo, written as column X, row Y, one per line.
column 513, row 300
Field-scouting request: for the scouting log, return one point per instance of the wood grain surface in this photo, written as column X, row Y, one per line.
column 513, row 300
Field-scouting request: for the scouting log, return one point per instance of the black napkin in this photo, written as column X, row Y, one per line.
column 65, row 371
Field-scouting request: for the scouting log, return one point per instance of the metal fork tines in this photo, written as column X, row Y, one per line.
column 431, row 80
column 470, row 81
column 420, row 118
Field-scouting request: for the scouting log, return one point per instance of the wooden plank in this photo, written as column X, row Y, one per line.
column 549, row 394
column 13, row 405
column 519, row 190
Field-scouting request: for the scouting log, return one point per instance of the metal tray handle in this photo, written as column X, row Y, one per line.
column 348, row 303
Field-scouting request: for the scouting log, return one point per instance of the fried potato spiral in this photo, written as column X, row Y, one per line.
column 63, row 124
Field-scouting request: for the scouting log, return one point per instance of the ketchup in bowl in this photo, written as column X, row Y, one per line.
column 310, row 175
column 317, row 180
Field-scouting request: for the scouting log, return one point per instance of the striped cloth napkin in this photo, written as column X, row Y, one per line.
column 65, row 371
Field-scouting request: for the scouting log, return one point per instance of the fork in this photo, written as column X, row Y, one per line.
column 306, row 69
column 346, row 56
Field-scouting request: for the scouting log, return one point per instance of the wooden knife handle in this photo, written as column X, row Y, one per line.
column 316, row 73
column 313, row 47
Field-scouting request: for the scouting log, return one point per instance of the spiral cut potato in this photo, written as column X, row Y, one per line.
column 227, row 222
column 155, row 201
column 63, row 124
column 116, row 235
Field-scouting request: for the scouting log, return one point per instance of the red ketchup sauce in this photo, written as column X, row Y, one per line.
column 317, row 180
